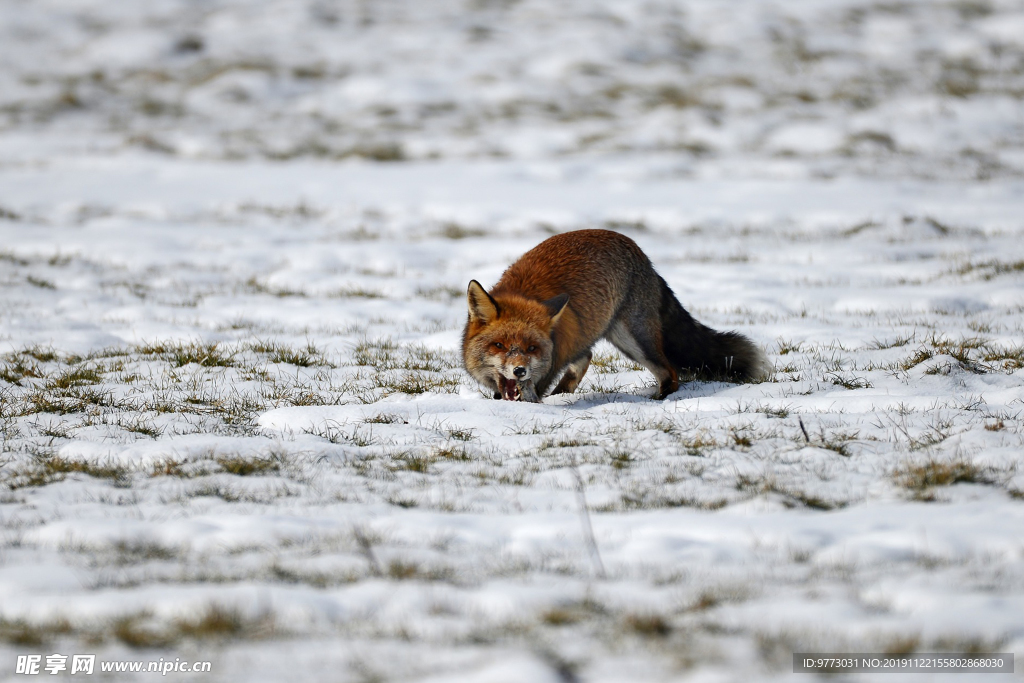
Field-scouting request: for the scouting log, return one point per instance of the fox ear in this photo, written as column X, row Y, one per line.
column 481, row 306
column 556, row 305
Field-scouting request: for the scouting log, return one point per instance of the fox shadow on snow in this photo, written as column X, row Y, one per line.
column 694, row 389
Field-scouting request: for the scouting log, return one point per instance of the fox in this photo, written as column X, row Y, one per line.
column 540, row 321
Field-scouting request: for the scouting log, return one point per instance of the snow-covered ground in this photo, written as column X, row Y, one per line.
column 234, row 244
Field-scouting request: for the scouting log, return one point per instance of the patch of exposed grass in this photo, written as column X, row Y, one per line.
column 170, row 467
column 787, row 347
column 607, row 363
column 26, row 634
column 996, row 425
column 710, row 598
column 412, row 462
column 8, row 215
column 895, row 342
column 418, row 382
column 133, row 552
column 254, row 286
column 137, row 424
column 567, row 442
column 136, row 632
column 792, row 496
column 814, row 502
column 455, row 231
column 43, row 354
column 920, row 477
column 386, row 419
column 380, row 354
column 918, row 357
column 376, row 151
column 987, row 270
column 440, row 293
column 9, row 257
column 17, row 367
column 779, row 412
column 60, row 465
column 458, row 452
column 562, row 616
column 73, row 377
column 58, row 429
column 1008, row 358
column 76, row 399
column 384, row 354
column 142, row 631
column 244, row 466
column 403, row 570
column 215, row 622
column 305, row 357
column 55, row 468
column 360, row 438
column 699, row 443
column 961, row 350
column 356, row 292
column 847, row 381
column 331, row 431
column 741, row 438
column 180, row 354
column 662, row 425
column 40, row 282
column 428, row 359
column 572, row 613
column 620, row 458
column 460, row 434
column 301, row 210
column 835, row 441
column 647, row 625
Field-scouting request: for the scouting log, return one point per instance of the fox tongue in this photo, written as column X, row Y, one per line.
column 509, row 390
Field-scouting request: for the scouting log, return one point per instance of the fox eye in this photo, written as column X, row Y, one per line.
column 499, row 345
column 531, row 349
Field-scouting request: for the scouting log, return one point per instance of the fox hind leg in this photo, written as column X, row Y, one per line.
column 573, row 375
column 645, row 347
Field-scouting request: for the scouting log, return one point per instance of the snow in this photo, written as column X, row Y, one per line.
column 234, row 244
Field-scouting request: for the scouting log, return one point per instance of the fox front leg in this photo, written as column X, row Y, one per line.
column 527, row 392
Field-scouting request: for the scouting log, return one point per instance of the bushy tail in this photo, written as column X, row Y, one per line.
column 693, row 347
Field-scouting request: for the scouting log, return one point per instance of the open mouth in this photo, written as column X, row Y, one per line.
column 509, row 389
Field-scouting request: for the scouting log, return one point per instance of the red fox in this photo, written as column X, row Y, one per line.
column 551, row 306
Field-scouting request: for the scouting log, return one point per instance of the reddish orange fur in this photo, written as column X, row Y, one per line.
column 613, row 292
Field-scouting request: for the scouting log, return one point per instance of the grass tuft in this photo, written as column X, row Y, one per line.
column 1008, row 358
column 17, row 367
column 55, row 468
column 215, row 622
column 647, row 625
column 74, row 377
column 180, row 354
column 246, row 466
column 26, row 634
column 848, row 381
column 921, row 477
column 308, row 356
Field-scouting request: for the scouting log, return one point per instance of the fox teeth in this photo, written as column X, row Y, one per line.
column 510, row 389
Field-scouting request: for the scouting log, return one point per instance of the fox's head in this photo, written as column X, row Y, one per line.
column 508, row 341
